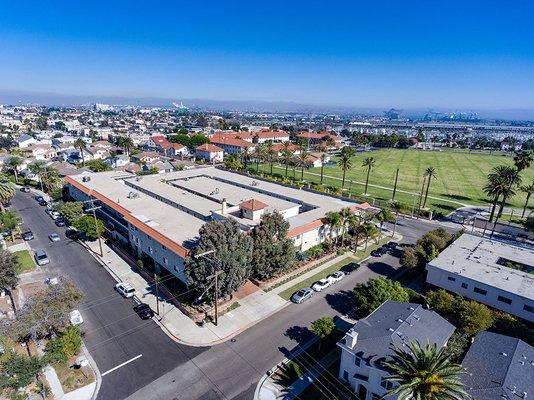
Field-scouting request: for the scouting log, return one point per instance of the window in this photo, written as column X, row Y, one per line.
column 480, row 291
column 504, row 299
column 357, row 361
column 176, row 269
column 345, row 376
column 163, row 247
column 464, row 285
column 528, row 308
column 450, row 278
column 165, row 260
column 150, row 250
column 375, row 396
column 386, row 384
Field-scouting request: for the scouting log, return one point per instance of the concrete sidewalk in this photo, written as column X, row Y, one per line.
column 252, row 308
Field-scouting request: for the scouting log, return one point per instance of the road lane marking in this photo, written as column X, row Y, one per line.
column 121, row 365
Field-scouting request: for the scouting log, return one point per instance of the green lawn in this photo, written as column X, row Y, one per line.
column 26, row 261
column 460, row 176
column 360, row 255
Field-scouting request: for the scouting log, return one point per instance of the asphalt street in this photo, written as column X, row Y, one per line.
column 115, row 336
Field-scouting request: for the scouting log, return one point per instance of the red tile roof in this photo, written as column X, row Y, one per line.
column 253, row 205
column 230, row 139
column 208, row 147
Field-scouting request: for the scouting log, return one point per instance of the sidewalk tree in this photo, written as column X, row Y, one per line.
column 377, row 290
column 233, row 256
column 323, row 328
column 10, row 221
column 92, row 228
column 7, row 192
column 529, row 191
column 9, row 265
column 333, row 220
column 18, row 371
column 13, row 164
column 409, row 258
column 38, row 167
column 383, row 216
column 273, row 251
column 72, row 211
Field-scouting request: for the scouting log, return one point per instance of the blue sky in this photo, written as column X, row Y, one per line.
column 455, row 54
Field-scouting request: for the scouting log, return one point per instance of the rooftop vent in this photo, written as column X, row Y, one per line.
column 133, row 195
column 86, row 179
column 504, row 354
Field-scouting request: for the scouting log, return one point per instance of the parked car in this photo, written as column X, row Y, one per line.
column 379, row 252
column 321, row 284
column 144, row 311
column 75, row 317
column 25, row 189
column 391, row 245
column 336, row 276
column 28, row 235
column 53, row 213
column 125, row 289
column 72, row 233
column 54, row 237
column 38, row 198
column 349, row 268
column 43, row 203
column 61, row 221
column 52, row 281
column 302, row 295
column 41, row 258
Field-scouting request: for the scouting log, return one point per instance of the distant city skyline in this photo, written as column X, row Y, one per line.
column 463, row 56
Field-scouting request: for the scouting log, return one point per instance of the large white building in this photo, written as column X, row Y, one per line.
column 479, row 268
column 160, row 215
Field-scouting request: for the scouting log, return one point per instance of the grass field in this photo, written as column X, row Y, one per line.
column 460, row 176
column 25, row 260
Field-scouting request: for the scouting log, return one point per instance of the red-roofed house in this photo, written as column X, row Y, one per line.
column 252, row 209
column 317, row 138
column 209, row 152
column 231, row 143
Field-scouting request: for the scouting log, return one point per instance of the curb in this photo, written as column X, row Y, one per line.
column 98, row 376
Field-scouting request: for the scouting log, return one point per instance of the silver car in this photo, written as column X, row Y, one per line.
column 302, row 295
column 54, row 237
column 41, row 258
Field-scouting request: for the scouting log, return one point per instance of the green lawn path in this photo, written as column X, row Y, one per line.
column 25, row 260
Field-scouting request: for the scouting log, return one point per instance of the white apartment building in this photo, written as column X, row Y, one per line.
column 368, row 344
column 479, row 268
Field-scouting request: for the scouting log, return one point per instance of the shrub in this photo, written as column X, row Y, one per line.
column 67, row 345
column 474, row 317
column 441, row 301
column 377, row 290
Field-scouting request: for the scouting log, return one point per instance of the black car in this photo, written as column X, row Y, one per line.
column 60, row 221
column 391, row 245
column 379, row 252
column 28, row 235
column 347, row 269
column 39, row 198
column 144, row 311
column 43, row 202
column 25, row 189
column 72, row 233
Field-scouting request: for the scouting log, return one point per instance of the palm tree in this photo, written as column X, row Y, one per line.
column 383, row 216
column 522, row 160
column 345, row 162
column 512, row 180
column 358, row 230
column 287, row 154
column 7, row 192
column 395, row 206
column 14, row 163
column 528, row 190
column 368, row 163
column 430, row 173
column 302, row 161
column 270, row 153
column 346, row 216
column 425, row 373
column 333, row 219
column 38, row 167
column 259, row 153
column 324, row 156
column 497, row 182
column 368, row 230
column 81, row 145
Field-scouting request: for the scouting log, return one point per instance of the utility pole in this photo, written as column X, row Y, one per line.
column 156, row 279
column 215, row 275
column 215, row 263
column 93, row 209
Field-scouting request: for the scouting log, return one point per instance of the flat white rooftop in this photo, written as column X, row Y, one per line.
column 477, row 258
column 178, row 203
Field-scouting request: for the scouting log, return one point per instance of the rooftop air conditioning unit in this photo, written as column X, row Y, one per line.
column 86, row 179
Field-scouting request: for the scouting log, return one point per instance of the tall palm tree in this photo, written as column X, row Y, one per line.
column 523, row 159
column 302, row 161
column 287, row 154
column 126, row 143
column 430, row 173
column 425, row 373
column 358, row 230
column 7, row 192
column 395, row 206
column 270, row 153
column 324, row 156
column 383, row 216
column 259, row 154
column 497, row 182
column 81, row 145
column 368, row 231
column 512, row 180
column 368, row 163
column 333, row 219
column 345, row 162
column 528, row 190
column 38, row 167
column 14, row 163
column 346, row 216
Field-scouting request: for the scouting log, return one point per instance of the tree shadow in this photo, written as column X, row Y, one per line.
column 381, row 268
column 456, row 196
column 342, row 302
column 300, row 334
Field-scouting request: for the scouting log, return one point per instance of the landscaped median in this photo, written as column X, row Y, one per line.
column 323, row 273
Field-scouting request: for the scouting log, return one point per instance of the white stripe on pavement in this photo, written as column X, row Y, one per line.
column 121, row 365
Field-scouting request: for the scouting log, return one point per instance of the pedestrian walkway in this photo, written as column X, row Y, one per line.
column 252, row 308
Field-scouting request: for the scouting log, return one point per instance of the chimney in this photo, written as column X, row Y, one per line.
column 351, row 338
column 224, row 206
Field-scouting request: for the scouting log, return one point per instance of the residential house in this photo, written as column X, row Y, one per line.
column 40, row 151
column 370, row 342
column 147, row 157
column 118, row 161
column 24, row 141
column 314, row 139
column 209, row 152
column 231, row 143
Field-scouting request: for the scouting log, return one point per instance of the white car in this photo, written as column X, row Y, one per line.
column 53, row 213
column 75, row 317
column 321, row 284
column 336, row 276
column 54, row 237
column 125, row 289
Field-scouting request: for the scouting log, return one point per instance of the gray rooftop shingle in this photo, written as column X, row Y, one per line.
column 499, row 367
